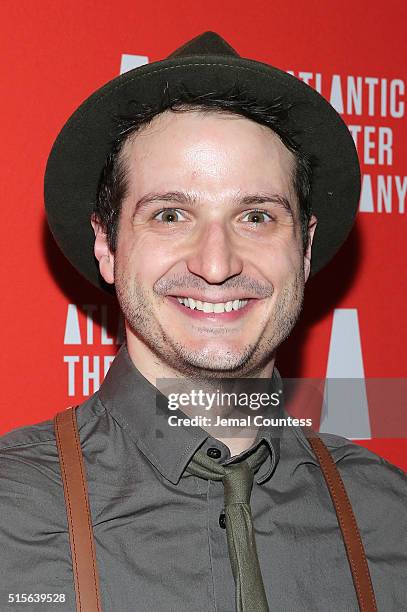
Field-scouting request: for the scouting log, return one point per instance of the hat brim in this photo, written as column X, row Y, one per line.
column 79, row 152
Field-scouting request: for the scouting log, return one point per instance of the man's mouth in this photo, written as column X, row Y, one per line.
column 208, row 307
column 215, row 312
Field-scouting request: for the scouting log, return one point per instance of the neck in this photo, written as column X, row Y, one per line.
column 237, row 438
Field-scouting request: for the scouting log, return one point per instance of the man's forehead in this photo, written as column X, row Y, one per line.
column 197, row 121
column 208, row 150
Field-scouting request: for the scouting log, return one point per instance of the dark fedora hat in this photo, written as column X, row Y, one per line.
column 206, row 63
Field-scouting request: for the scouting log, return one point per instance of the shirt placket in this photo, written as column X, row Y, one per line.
column 222, row 577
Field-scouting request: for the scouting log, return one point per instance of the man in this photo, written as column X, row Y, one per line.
column 204, row 178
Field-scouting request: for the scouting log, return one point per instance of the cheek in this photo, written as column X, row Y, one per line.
column 281, row 260
column 142, row 256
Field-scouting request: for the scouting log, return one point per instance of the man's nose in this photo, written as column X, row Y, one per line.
column 214, row 254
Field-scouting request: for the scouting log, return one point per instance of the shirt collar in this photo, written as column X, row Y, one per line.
column 142, row 410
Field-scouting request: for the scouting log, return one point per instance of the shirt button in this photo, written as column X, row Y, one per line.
column 214, row 453
column 222, row 520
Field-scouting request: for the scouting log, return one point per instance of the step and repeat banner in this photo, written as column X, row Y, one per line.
column 60, row 334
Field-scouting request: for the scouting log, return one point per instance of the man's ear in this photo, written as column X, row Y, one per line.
column 102, row 252
column 307, row 255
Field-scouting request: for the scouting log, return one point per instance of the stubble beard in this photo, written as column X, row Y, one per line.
column 136, row 306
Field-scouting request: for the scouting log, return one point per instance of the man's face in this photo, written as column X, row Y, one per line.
column 211, row 172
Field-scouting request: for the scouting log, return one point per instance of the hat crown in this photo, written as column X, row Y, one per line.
column 205, row 64
column 208, row 43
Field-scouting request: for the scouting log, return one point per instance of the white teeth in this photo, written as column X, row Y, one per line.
column 207, row 307
column 211, row 307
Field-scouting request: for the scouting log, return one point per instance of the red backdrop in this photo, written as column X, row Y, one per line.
column 59, row 332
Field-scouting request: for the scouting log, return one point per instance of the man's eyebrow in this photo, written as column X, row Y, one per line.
column 178, row 197
column 263, row 198
column 184, row 198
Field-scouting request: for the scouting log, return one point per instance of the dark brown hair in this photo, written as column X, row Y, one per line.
column 113, row 184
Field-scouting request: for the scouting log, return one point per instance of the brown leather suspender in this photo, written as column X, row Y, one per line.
column 80, row 524
column 347, row 523
column 85, row 572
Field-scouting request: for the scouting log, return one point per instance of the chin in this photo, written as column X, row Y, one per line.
column 215, row 359
column 213, row 351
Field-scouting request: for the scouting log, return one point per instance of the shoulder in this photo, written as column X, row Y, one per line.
column 377, row 490
column 39, row 433
column 25, row 455
column 358, row 464
column 30, row 485
column 29, row 455
column 354, row 458
column 31, row 489
column 376, row 487
column 43, row 433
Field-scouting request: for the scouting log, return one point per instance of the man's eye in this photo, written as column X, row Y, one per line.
column 258, row 216
column 168, row 215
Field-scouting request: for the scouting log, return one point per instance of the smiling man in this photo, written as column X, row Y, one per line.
column 204, row 189
column 214, row 222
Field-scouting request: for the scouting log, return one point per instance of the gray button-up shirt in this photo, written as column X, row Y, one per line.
column 160, row 540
